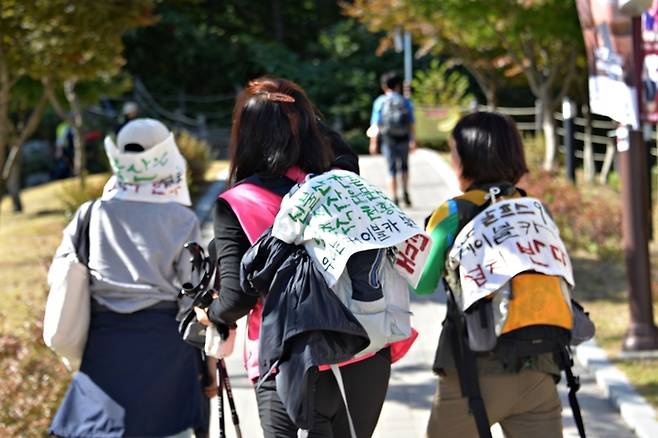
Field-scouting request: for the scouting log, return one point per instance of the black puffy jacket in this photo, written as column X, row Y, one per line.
column 304, row 324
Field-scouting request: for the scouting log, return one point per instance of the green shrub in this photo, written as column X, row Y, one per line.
column 589, row 220
column 71, row 194
column 198, row 155
column 437, row 144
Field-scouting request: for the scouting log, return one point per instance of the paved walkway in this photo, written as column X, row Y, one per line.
column 412, row 384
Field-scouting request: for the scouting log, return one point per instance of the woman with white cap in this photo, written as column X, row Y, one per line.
column 137, row 377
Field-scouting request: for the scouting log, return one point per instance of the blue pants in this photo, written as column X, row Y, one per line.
column 397, row 155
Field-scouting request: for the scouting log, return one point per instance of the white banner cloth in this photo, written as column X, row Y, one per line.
column 155, row 175
column 507, row 238
column 337, row 214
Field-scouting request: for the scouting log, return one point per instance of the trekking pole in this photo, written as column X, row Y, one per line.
column 220, row 402
column 573, row 382
column 229, row 395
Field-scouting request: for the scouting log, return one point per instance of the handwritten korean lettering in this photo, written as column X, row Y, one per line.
column 540, row 209
column 326, row 263
column 503, row 232
column 532, row 248
column 406, row 262
column 406, row 220
column 477, row 275
column 299, row 214
column 522, row 209
column 412, row 247
column 558, row 255
column 489, row 217
column 370, row 212
column 389, row 226
column 490, row 265
column 505, row 210
column 526, row 226
column 380, row 234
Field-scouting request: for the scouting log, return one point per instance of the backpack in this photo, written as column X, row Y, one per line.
column 509, row 282
column 395, row 117
column 367, row 249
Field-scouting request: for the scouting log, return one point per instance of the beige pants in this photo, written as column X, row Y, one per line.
column 525, row 405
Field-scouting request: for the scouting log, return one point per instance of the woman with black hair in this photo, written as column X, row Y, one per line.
column 487, row 155
column 277, row 137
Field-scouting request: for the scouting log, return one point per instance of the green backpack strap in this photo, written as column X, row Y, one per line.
column 468, row 206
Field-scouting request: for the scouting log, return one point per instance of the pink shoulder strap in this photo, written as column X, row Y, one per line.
column 254, row 206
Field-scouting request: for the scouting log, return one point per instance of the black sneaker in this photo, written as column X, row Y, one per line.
column 407, row 200
column 396, row 201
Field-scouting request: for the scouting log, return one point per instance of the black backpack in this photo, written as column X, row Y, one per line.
column 395, row 117
column 508, row 348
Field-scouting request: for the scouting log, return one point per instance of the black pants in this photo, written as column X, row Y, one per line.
column 365, row 383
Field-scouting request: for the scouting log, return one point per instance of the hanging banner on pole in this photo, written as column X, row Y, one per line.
column 650, row 64
column 607, row 33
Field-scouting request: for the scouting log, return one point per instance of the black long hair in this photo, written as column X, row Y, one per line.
column 275, row 127
column 490, row 148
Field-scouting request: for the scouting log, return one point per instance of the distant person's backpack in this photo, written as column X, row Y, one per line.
column 395, row 117
column 509, row 281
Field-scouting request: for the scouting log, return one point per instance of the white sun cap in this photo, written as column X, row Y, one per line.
column 144, row 132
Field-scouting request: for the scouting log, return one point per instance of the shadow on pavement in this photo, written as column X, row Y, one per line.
column 416, row 396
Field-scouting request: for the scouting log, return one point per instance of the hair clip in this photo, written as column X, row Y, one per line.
column 278, row 97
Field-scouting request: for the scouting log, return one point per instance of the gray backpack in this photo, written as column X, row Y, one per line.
column 395, row 118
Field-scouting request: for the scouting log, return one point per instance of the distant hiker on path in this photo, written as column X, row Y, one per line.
column 393, row 128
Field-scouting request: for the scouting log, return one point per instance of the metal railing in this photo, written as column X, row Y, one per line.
column 592, row 139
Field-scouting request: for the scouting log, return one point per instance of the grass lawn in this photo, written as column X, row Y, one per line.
column 28, row 241
column 33, row 379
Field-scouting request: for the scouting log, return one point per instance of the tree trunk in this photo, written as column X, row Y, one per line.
column 14, row 185
column 9, row 164
column 80, row 159
column 487, row 86
column 5, row 87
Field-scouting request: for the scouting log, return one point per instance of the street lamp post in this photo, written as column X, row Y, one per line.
column 408, row 68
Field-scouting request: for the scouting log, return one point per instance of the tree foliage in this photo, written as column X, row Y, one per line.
column 211, row 49
column 81, row 41
column 494, row 39
column 439, row 85
column 16, row 62
column 59, row 43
